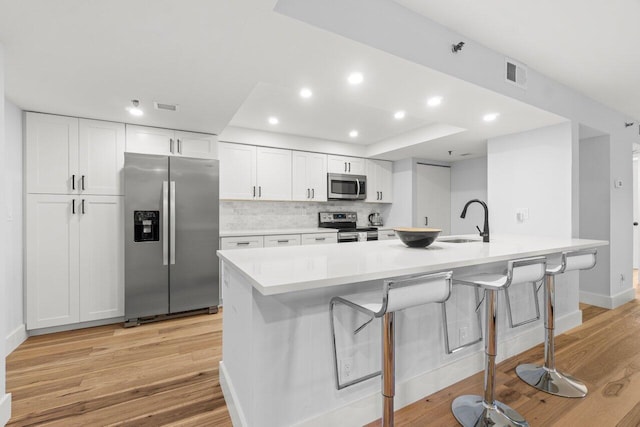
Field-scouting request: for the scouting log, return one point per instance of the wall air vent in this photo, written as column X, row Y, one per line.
column 516, row 73
column 168, row 107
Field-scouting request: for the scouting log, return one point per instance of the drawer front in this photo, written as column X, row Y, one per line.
column 387, row 235
column 241, row 242
column 319, row 238
column 282, row 240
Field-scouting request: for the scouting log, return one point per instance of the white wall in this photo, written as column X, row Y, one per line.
column 468, row 181
column 595, row 216
column 14, row 331
column 531, row 170
column 423, row 41
column 5, row 400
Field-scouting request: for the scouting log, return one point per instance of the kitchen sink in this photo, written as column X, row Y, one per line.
column 458, row 240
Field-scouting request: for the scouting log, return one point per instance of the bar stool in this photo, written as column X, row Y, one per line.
column 397, row 294
column 479, row 411
column 546, row 377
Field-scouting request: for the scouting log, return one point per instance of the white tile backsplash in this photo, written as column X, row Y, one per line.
column 259, row 215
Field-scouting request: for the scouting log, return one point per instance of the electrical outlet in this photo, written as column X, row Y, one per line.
column 346, row 368
column 463, row 334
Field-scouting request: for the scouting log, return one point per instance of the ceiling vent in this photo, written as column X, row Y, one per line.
column 516, row 73
column 168, row 107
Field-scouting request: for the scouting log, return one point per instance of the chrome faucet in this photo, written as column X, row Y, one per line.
column 485, row 231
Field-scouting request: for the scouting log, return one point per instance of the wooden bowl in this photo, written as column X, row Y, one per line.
column 417, row 237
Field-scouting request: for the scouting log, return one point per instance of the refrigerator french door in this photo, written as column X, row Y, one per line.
column 172, row 234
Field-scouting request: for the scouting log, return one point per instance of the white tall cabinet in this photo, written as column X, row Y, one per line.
column 433, row 189
column 74, row 220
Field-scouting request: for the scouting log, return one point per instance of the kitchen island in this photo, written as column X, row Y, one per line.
column 277, row 367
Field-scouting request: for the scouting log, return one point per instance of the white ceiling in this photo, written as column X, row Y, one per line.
column 236, row 62
column 590, row 46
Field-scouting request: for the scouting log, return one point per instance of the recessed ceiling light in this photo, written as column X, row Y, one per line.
column 273, row 120
column 355, row 78
column 305, row 92
column 434, row 101
column 353, row 133
column 490, row 117
column 399, row 115
column 135, row 110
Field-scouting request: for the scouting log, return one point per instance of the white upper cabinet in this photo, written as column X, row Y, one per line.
column 237, row 171
column 52, row 154
column 346, row 165
column 150, row 140
column 199, row 145
column 101, row 157
column 248, row 172
column 273, row 174
column 67, row 155
column 309, row 176
column 379, row 181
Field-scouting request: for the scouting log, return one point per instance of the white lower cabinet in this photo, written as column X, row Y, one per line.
column 74, row 259
column 319, row 238
column 282, row 240
column 386, row 235
column 241, row 242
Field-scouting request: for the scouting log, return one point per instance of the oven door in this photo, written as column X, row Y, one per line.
column 347, row 236
column 346, row 187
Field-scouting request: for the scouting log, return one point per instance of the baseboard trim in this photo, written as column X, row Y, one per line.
column 73, row 326
column 15, row 338
column 5, row 409
column 608, row 301
column 238, row 418
column 359, row 412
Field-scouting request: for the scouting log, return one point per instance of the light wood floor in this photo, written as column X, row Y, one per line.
column 167, row 374
column 157, row 374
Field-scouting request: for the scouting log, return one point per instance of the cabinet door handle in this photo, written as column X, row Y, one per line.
column 426, row 220
column 381, row 195
column 179, row 146
column 82, row 206
column 73, row 206
column 320, row 239
column 242, row 243
column 171, row 145
column 345, row 166
column 283, row 241
column 73, row 182
column 82, row 181
column 308, row 194
column 259, row 191
column 313, row 193
column 349, row 166
column 254, row 191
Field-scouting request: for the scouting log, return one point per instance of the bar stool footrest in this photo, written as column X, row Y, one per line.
column 551, row 381
column 471, row 411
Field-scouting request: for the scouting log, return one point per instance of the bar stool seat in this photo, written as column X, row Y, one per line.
column 480, row 411
column 546, row 377
column 397, row 294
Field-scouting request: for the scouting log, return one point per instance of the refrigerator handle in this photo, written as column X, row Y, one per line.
column 165, row 223
column 172, row 223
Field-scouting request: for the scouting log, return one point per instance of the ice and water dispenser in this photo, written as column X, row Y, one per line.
column 146, row 226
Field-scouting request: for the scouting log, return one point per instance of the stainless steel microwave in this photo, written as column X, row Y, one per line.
column 346, row 187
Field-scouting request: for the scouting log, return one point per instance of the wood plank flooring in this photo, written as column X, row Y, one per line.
column 158, row 374
column 166, row 374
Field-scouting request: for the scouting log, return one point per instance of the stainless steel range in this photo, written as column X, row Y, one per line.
column 345, row 223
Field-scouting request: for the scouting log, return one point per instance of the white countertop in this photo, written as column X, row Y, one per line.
column 279, row 270
column 243, row 233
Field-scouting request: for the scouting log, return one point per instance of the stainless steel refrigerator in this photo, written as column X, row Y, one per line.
column 171, row 232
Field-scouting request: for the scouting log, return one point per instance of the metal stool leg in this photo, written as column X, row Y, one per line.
column 388, row 368
column 481, row 411
column 546, row 377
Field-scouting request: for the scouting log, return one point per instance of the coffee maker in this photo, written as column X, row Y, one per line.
column 375, row 219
